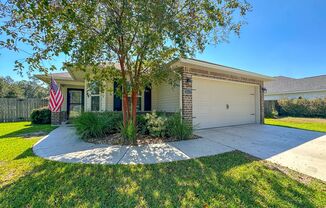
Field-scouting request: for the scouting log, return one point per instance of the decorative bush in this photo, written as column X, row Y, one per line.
column 41, row 116
column 302, row 108
column 179, row 128
column 90, row 125
column 272, row 114
column 156, row 125
column 142, row 124
column 128, row 133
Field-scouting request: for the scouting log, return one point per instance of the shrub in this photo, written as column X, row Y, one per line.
column 272, row 114
column 128, row 132
column 302, row 108
column 41, row 116
column 91, row 124
column 142, row 124
column 156, row 125
column 179, row 128
column 112, row 120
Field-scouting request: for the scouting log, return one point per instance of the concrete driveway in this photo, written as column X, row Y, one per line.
column 303, row 151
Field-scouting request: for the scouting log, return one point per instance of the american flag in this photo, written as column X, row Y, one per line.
column 56, row 97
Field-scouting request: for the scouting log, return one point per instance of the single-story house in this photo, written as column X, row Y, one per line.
column 208, row 95
column 289, row 88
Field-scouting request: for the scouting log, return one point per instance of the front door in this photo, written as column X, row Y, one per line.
column 75, row 102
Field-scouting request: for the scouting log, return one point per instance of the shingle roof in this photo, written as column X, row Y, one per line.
column 283, row 84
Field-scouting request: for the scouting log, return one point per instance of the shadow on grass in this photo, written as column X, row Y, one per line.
column 230, row 179
column 27, row 153
column 30, row 130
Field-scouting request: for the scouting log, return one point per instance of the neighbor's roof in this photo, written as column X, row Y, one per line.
column 283, row 84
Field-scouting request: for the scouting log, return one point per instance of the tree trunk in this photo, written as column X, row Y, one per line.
column 134, row 101
column 125, row 103
column 125, row 108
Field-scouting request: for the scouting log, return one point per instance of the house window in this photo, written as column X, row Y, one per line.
column 138, row 103
column 117, row 101
column 95, row 97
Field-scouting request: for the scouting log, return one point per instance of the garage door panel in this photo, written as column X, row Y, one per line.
column 210, row 100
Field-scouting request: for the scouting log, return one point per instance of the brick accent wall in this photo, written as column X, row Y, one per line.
column 187, row 96
column 187, row 88
column 58, row 117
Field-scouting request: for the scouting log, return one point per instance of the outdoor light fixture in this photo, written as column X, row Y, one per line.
column 264, row 89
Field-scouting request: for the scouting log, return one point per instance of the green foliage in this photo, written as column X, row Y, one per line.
column 90, row 125
column 21, row 89
column 179, row 128
column 303, row 108
column 128, row 132
column 156, row 125
column 41, row 116
column 142, row 124
column 96, row 125
column 272, row 114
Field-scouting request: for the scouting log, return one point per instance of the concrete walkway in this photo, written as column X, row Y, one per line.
column 63, row 144
column 303, row 151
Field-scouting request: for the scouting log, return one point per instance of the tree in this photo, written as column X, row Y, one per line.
column 22, row 89
column 142, row 36
column 8, row 88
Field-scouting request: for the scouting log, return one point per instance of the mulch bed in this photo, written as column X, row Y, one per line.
column 116, row 139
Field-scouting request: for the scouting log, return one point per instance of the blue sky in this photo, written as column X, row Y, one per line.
column 282, row 37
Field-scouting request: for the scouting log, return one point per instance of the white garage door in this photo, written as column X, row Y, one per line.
column 219, row 103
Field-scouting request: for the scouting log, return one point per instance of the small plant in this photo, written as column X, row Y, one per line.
column 272, row 114
column 112, row 121
column 128, row 132
column 142, row 124
column 41, row 116
column 156, row 125
column 179, row 128
column 90, row 125
column 95, row 125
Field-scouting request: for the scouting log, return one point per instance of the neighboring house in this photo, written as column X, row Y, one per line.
column 208, row 95
column 289, row 88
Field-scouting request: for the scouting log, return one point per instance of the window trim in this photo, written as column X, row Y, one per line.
column 95, row 95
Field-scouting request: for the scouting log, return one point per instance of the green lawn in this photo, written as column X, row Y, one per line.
column 314, row 124
column 227, row 180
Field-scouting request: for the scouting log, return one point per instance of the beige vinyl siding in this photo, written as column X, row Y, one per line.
column 166, row 98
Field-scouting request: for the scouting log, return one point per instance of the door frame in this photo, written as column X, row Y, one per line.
column 68, row 99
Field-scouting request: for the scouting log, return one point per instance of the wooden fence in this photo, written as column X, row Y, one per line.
column 14, row 109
